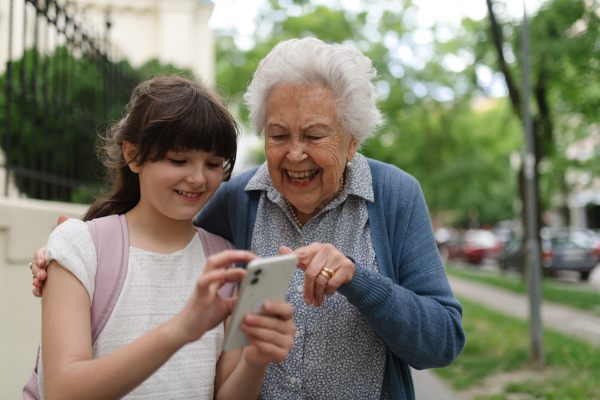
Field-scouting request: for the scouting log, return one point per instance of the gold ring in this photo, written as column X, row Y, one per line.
column 327, row 273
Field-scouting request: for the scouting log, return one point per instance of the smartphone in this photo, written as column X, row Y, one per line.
column 267, row 279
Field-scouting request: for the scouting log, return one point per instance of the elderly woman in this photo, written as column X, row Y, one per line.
column 371, row 297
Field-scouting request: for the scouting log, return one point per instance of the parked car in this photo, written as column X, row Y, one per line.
column 479, row 244
column 449, row 243
column 569, row 249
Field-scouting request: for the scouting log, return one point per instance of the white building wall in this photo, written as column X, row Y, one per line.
column 24, row 226
column 171, row 31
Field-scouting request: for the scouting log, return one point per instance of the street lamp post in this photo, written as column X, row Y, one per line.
column 533, row 246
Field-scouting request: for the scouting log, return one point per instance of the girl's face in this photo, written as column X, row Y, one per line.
column 178, row 186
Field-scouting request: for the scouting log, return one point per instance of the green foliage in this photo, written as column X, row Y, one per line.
column 53, row 118
column 459, row 153
column 565, row 63
column 437, row 129
column 55, row 108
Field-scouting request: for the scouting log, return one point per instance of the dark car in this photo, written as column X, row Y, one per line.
column 564, row 249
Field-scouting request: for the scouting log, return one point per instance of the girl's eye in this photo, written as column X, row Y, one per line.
column 214, row 165
column 176, row 161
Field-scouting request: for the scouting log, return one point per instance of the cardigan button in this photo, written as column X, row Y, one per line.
column 378, row 277
column 367, row 273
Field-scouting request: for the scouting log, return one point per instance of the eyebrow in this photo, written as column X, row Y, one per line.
column 316, row 125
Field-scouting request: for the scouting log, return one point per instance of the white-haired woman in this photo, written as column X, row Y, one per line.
column 360, row 228
column 372, row 297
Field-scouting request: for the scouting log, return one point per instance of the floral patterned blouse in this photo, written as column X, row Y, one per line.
column 334, row 346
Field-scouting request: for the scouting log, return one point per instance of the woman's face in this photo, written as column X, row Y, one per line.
column 305, row 147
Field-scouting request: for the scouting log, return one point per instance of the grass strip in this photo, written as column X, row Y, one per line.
column 572, row 295
column 497, row 343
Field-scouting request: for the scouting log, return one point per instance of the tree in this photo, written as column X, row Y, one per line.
column 565, row 86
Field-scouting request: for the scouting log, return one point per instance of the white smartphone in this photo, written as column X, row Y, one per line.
column 267, row 279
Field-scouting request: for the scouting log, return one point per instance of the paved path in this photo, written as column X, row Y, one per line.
column 568, row 320
column 428, row 386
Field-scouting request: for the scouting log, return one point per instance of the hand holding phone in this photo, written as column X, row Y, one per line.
column 267, row 279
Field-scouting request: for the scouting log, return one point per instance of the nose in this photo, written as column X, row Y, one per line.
column 296, row 152
column 196, row 176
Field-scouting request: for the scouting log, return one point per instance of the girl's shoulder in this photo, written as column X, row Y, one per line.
column 70, row 227
column 71, row 245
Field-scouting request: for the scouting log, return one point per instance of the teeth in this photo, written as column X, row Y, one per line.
column 190, row 195
column 302, row 177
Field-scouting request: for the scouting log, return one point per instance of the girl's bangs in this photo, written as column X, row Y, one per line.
column 202, row 127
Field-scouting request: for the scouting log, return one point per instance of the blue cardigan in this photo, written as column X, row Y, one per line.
column 409, row 302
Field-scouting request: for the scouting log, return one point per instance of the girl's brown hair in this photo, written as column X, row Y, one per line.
column 166, row 113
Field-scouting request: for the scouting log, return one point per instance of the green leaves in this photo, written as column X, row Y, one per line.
column 441, row 126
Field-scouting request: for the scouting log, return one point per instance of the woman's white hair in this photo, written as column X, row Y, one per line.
column 343, row 69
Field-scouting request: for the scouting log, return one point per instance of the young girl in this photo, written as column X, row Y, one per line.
column 167, row 158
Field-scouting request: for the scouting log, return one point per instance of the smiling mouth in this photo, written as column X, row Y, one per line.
column 188, row 194
column 302, row 177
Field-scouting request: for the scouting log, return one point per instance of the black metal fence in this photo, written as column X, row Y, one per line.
column 58, row 91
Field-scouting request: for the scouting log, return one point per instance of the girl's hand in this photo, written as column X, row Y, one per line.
column 272, row 337
column 316, row 260
column 206, row 308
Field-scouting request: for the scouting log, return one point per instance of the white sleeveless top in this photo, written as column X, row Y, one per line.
column 156, row 288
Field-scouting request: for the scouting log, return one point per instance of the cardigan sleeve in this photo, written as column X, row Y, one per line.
column 214, row 216
column 409, row 302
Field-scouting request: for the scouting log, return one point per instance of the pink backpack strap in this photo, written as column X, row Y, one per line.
column 111, row 239
column 213, row 244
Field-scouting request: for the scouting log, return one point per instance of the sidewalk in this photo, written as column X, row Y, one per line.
column 428, row 386
column 567, row 320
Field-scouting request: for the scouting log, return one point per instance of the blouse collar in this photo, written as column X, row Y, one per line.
column 358, row 181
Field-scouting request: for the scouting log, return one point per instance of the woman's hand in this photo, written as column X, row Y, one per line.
column 206, row 308
column 325, row 270
column 272, row 337
column 38, row 266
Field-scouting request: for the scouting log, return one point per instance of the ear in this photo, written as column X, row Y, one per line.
column 352, row 148
column 130, row 153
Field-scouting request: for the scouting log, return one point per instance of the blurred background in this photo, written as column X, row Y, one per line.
column 451, row 84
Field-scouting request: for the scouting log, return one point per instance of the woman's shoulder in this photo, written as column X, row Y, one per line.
column 240, row 180
column 383, row 173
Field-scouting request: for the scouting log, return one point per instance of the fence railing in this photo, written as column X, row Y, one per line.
column 63, row 80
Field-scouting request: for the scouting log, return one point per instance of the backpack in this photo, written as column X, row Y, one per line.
column 111, row 239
